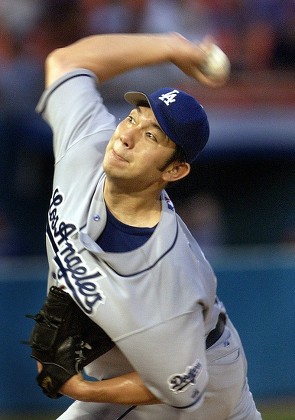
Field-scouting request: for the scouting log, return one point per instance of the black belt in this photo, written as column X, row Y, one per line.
column 215, row 334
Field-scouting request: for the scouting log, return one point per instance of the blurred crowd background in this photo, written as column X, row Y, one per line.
column 237, row 194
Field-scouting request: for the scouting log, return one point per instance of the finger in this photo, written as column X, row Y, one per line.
column 206, row 80
column 39, row 367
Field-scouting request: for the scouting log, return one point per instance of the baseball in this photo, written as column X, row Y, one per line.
column 216, row 65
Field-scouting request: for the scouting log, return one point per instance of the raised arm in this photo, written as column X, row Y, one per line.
column 110, row 55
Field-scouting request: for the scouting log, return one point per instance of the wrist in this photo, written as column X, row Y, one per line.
column 83, row 391
column 75, row 388
column 184, row 53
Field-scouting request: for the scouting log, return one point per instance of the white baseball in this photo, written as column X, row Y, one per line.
column 216, row 65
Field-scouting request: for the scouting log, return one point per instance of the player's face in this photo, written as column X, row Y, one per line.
column 138, row 149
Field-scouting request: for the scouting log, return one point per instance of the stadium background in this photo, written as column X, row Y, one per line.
column 239, row 202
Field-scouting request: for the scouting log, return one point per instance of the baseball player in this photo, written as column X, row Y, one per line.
column 116, row 245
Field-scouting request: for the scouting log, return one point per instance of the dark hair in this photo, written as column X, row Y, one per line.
column 177, row 156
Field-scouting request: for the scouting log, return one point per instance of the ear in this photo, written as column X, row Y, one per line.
column 176, row 171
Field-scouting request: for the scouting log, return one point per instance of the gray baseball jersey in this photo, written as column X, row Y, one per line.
column 158, row 302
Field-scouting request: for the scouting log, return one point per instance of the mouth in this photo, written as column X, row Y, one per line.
column 117, row 156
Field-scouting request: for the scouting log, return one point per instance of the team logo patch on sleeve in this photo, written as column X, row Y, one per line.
column 180, row 382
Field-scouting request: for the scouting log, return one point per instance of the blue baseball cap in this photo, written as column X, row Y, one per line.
column 179, row 115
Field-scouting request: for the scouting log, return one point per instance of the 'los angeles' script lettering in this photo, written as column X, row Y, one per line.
column 70, row 265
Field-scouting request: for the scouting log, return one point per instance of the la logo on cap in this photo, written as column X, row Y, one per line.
column 169, row 97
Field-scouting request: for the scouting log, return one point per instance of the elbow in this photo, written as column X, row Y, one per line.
column 186, row 402
column 189, row 405
column 55, row 57
column 57, row 63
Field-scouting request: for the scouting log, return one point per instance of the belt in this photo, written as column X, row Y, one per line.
column 215, row 334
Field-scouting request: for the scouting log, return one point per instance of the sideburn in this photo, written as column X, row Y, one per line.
column 178, row 155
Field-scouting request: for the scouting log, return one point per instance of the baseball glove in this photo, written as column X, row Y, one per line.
column 64, row 340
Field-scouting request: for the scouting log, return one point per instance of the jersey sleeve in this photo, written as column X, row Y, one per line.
column 170, row 358
column 74, row 109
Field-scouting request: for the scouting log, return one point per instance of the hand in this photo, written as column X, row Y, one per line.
column 71, row 387
column 39, row 367
column 189, row 57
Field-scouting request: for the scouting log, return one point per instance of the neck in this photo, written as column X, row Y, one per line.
column 134, row 209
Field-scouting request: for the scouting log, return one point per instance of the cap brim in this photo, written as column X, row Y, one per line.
column 135, row 98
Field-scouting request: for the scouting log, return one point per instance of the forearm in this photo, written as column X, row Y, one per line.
column 112, row 54
column 126, row 389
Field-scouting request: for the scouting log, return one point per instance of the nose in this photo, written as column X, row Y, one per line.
column 128, row 137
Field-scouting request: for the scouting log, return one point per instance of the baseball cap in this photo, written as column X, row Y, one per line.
column 181, row 117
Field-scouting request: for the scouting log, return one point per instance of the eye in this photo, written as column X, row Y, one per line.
column 151, row 136
column 130, row 119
